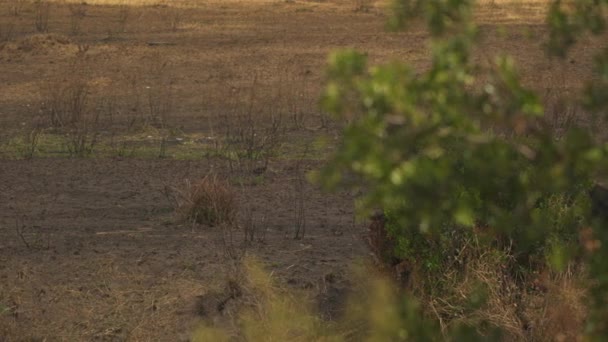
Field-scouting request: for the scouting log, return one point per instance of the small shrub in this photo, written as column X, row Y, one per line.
column 16, row 7
column 173, row 16
column 124, row 13
column 7, row 32
column 252, row 133
column 67, row 107
column 81, row 137
column 209, row 201
column 77, row 14
column 363, row 5
column 65, row 104
column 29, row 141
column 42, row 12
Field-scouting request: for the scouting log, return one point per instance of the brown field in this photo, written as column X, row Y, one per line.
column 91, row 246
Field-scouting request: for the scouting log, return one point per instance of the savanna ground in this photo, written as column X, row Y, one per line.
column 110, row 110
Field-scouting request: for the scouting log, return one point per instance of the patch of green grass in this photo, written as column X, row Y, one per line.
column 4, row 310
column 147, row 144
column 317, row 149
column 48, row 145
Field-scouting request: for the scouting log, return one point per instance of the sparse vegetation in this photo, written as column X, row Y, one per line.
column 124, row 13
column 77, row 14
column 30, row 141
column 484, row 171
column 68, row 109
column 7, row 31
column 363, row 5
column 252, row 133
column 16, row 7
column 42, row 12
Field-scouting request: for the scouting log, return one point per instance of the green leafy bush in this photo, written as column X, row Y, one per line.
column 454, row 157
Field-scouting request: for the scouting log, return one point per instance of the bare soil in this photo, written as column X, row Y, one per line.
column 108, row 260
column 90, row 248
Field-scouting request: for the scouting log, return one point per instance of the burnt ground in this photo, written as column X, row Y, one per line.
column 107, row 257
column 91, row 248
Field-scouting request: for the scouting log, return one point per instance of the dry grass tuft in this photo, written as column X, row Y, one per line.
column 259, row 310
column 559, row 313
column 210, row 201
column 480, row 290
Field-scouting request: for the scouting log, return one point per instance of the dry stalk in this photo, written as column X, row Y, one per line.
column 31, row 140
column 160, row 93
column 28, row 233
column 42, row 9
column 16, row 7
column 252, row 132
column 299, row 198
column 7, row 32
column 124, row 13
column 77, row 14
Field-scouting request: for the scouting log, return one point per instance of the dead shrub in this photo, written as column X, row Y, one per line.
column 560, row 113
column 42, row 11
column 253, row 131
column 81, row 138
column 363, row 5
column 7, row 32
column 173, row 17
column 77, row 14
column 30, row 139
column 210, row 201
column 124, row 13
column 67, row 107
column 16, row 7
column 299, row 198
column 558, row 312
column 64, row 102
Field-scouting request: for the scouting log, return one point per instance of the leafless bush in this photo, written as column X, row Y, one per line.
column 209, row 201
column 560, row 113
column 173, row 16
column 299, row 202
column 30, row 140
column 65, row 103
column 28, row 233
column 253, row 230
column 16, row 6
column 160, row 92
column 295, row 97
column 363, row 5
column 124, row 13
column 7, row 32
column 42, row 11
column 160, row 100
column 81, row 137
column 133, row 91
column 77, row 14
column 252, row 132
